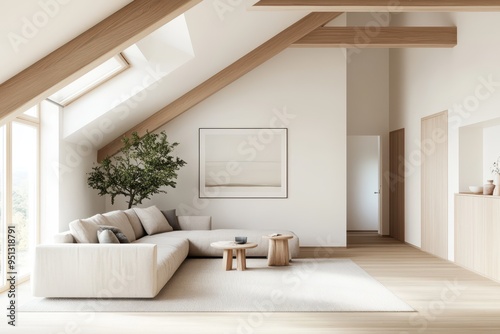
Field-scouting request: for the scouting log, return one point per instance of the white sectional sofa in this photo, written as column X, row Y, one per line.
column 78, row 266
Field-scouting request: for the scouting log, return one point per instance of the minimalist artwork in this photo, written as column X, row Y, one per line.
column 243, row 163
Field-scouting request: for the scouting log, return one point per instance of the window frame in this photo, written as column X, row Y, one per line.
column 34, row 122
column 72, row 98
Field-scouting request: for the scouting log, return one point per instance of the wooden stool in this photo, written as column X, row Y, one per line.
column 278, row 254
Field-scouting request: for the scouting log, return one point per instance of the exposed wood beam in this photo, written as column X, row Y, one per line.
column 382, row 37
column 112, row 35
column 225, row 77
column 381, row 5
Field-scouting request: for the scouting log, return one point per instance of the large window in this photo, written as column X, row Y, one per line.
column 24, row 192
column 3, row 205
column 19, row 147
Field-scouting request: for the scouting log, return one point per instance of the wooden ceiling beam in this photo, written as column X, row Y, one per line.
column 380, row 5
column 90, row 49
column 380, row 37
column 225, row 77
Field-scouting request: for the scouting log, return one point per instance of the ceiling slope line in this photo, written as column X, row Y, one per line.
column 383, row 37
column 228, row 75
column 380, row 5
column 85, row 52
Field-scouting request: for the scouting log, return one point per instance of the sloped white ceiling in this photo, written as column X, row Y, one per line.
column 31, row 29
column 218, row 33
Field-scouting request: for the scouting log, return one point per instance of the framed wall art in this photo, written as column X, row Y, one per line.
column 243, row 163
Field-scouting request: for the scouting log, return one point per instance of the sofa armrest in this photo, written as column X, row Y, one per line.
column 190, row 223
column 95, row 271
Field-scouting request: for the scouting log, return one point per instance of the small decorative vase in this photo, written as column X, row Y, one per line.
column 488, row 188
column 496, row 192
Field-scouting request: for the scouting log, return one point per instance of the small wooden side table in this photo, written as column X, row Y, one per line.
column 227, row 258
column 278, row 254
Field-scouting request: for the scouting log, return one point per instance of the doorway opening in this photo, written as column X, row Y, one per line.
column 363, row 184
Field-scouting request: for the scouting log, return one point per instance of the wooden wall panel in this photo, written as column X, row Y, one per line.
column 477, row 234
column 468, row 210
column 396, row 181
column 491, row 238
column 434, row 184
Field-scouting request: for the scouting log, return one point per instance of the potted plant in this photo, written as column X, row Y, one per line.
column 142, row 168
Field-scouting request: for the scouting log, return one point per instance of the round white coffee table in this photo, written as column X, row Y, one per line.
column 228, row 247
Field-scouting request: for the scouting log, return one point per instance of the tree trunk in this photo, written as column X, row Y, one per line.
column 131, row 201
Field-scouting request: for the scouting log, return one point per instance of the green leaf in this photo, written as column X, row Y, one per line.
column 142, row 168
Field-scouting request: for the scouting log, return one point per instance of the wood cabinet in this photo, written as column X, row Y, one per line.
column 477, row 233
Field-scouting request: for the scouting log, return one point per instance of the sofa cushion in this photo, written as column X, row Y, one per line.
column 120, row 220
column 107, row 237
column 135, row 222
column 199, row 241
column 188, row 223
column 153, row 220
column 171, row 252
column 171, row 217
column 122, row 238
column 85, row 230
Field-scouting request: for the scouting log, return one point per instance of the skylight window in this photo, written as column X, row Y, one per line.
column 90, row 80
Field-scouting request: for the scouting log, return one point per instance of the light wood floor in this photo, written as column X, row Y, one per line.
column 448, row 299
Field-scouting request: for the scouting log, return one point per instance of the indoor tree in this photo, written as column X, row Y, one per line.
column 143, row 166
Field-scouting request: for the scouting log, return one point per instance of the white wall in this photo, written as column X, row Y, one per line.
column 470, row 157
column 64, row 193
column 50, row 123
column 76, row 199
column 491, row 150
column 368, row 100
column 464, row 80
column 310, row 86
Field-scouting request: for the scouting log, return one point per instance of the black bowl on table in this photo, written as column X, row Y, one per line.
column 240, row 240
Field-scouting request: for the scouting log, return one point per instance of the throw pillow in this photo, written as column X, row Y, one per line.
column 85, row 230
column 153, row 220
column 107, row 237
column 120, row 220
column 171, row 217
column 136, row 223
column 122, row 238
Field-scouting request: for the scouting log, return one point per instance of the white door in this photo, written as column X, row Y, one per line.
column 363, row 183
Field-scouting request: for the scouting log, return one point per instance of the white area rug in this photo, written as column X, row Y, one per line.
column 201, row 285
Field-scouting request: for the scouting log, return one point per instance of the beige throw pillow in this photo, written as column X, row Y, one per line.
column 153, row 220
column 120, row 220
column 136, row 223
column 85, row 230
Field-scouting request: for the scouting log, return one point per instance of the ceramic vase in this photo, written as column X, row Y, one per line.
column 488, row 188
column 496, row 181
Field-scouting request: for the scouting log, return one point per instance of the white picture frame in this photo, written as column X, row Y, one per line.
column 243, row 163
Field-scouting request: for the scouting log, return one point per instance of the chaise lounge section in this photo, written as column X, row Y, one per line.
column 78, row 266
